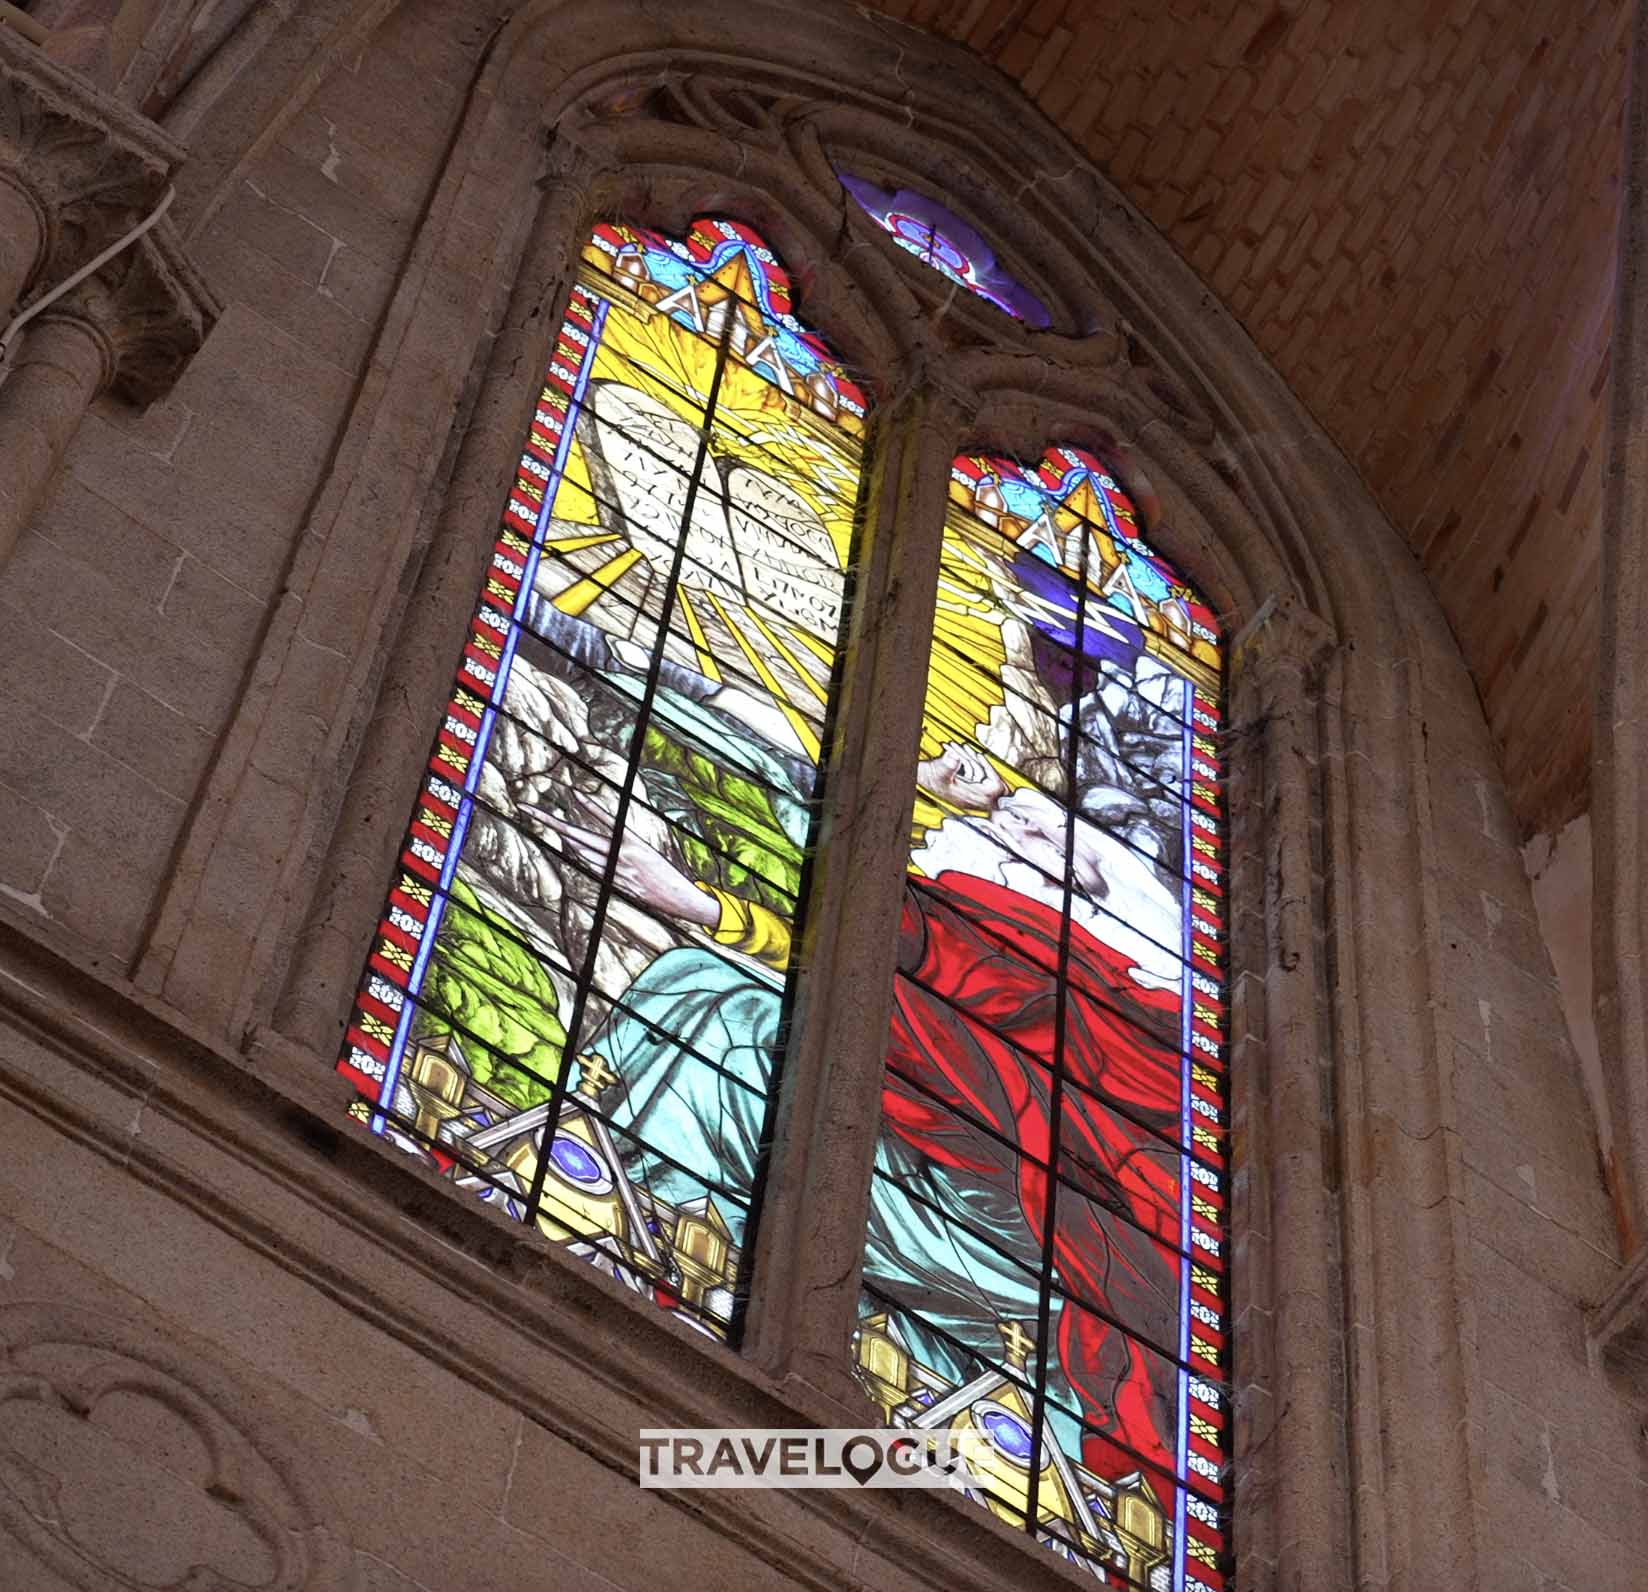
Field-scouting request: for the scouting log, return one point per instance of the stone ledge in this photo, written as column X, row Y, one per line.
column 490, row 1295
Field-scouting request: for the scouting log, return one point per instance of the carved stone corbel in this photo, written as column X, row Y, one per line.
column 159, row 310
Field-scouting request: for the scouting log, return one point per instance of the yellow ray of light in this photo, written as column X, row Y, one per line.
column 575, row 498
column 581, row 593
column 821, row 650
column 700, row 642
column 789, row 657
column 576, row 544
column 803, row 730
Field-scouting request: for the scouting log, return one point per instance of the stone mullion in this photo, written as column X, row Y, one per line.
column 809, row 1250
column 1308, row 1525
column 1251, row 1302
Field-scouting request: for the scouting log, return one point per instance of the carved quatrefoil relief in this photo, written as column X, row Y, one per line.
column 126, row 1464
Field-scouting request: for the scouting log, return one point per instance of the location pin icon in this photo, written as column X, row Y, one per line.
column 861, row 1469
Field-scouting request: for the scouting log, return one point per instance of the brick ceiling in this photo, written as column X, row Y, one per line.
column 1411, row 207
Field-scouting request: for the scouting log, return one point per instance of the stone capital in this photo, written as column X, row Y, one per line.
column 155, row 311
column 92, row 167
column 1283, row 640
column 91, row 170
column 12, row 184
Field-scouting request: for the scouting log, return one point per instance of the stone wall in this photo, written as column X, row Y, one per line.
column 137, row 600
column 1560, row 1449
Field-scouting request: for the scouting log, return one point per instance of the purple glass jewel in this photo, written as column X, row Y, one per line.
column 1009, row 1434
column 575, row 1160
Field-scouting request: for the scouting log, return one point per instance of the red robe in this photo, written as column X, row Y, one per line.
column 974, row 1022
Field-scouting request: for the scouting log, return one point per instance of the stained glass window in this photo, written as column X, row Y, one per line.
column 1045, row 1260
column 576, row 997
column 940, row 238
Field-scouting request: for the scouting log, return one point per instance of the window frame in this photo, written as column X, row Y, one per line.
column 806, row 1262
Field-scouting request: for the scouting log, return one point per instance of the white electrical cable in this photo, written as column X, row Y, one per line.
column 47, row 299
column 22, row 22
column 1253, row 624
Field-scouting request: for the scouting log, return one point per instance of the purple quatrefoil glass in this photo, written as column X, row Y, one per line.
column 940, row 238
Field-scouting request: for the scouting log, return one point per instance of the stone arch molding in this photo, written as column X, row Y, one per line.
column 667, row 112
column 69, row 1380
column 764, row 96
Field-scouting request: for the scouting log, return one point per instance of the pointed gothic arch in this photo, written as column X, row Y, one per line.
column 662, row 117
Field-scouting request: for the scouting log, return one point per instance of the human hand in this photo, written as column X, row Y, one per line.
column 641, row 871
column 962, row 776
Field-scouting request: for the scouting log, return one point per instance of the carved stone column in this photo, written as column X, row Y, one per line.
column 1619, row 798
column 1291, row 1407
column 22, row 240
column 64, row 363
column 811, row 1245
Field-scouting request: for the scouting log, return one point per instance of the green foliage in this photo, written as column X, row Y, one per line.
column 494, row 991
column 749, row 853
